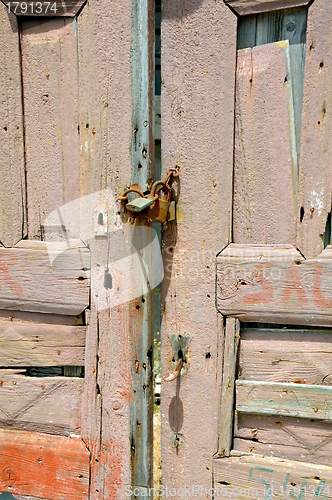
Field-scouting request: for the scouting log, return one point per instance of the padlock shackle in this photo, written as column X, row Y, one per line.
column 130, row 190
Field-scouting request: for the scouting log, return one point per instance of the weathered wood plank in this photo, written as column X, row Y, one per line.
column 232, row 336
column 50, row 405
column 265, row 158
column 50, row 319
column 30, row 283
column 198, row 135
column 274, row 285
column 286, row 356
column 116, row 124
column 293, row 400
column 49, row 59
column 264, row 477
column 24, row 344
column 12, row 175
column 315, row 180
column 245, row 7
column 289, row 24
column 63, row 8
column 284, row 437
column 59, row 465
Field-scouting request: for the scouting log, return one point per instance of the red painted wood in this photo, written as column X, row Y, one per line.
column 55, row 467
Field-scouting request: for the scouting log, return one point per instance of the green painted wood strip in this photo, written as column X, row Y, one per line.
column 293, row 400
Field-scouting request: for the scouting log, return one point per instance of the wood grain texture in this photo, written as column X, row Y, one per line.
column 50, row 405
column 23, row 345
column 49, row 59
column 30, row 283
column 12, row 175
column 245, row 7
column 288, row 24
column 297, row 439
column 63, row 8
column 197, row 134
column 293, row 400
column 315, row 170
column 232, row 336
column 114, row 141
column 259, row 474
column 257, row 284
column 59, row 465
column 286, row 356
column 265, row 158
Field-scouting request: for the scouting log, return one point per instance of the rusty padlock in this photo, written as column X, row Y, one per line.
column 159, row 210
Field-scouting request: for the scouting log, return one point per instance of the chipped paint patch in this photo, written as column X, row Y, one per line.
column 316, row 200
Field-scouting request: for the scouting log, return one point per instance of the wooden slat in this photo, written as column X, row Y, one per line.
column 286, row 356
column 265, row 147
column 58, row 465
column 293, row 400
column 30, row 283
column 12, row 176
column 270, row 478
column 274, row 285
column 63, row 8
column 245, row 7
column 232, row 335
column 49, row 58
column 198, row 135
column 24, row 344
column 50, row 405
column 284, row 437
column 315, row 166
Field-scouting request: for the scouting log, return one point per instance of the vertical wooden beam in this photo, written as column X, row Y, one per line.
column 198, row 71
column 12, row 175
column 49, row 65
column 115, row 47
column 315, row 161
column 141, row 326
column 232, row 336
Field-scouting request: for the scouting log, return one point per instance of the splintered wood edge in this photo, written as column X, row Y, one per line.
column 232, row 335
column 245, row 7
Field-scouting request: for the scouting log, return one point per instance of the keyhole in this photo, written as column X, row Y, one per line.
column 101, row 219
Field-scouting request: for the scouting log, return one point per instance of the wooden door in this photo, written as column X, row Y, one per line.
column 76, row 125
column 247, row 298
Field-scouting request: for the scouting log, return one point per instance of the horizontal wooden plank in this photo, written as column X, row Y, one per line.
column 26, row 344
column 63, row 8
column 299, row 439
column 277, row 355
column 42, row 404
column 52, row 467
column 293, row 400
column 32, row 317
column 30, row 283
column 274, row 284
column 245, row 7
column 269, row 478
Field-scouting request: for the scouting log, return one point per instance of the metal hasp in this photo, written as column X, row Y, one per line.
column 150, row 205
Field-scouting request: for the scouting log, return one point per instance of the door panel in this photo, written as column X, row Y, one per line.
column 75, row 413
column 281, row 205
